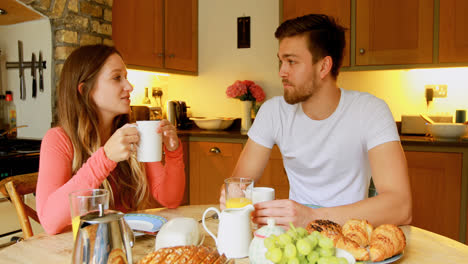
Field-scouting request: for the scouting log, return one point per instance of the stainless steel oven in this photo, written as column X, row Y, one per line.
column 17, row 156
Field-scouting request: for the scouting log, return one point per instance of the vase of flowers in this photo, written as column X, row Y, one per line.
column 248, row 93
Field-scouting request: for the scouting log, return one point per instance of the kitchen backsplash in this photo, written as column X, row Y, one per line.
column 36, row 113
column 404, row 90
column 141, row 80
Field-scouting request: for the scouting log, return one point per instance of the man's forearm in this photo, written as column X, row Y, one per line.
column 385, row 208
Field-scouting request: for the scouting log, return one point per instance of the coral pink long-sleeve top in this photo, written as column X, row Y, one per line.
column 55, row 181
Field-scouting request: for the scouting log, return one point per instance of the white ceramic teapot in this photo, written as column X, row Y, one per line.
column 234, row 232
column 257, row 248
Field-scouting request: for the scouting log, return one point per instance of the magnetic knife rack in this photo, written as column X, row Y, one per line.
column 26, row 64
column 21, row 65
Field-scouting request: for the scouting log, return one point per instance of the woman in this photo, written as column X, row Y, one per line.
column 92, row 146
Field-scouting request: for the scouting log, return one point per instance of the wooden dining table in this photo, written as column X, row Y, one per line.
column 422, row 246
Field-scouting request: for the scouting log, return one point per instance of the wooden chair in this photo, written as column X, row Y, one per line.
column 15, row 187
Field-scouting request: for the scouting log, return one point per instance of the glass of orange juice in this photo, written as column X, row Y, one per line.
column 85, row 201
column 238, row 192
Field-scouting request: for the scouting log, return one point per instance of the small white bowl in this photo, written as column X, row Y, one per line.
column 447, row 131
column 213, row 123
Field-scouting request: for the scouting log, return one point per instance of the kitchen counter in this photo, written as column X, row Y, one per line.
column 234, row 133
column 197, row 132
column 429, row 141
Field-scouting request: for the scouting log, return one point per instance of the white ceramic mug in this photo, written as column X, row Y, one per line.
column 150, row 144
column 262, row 194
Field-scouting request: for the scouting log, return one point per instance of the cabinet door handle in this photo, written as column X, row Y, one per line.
column 215, row 150
column 160, row 54
column 171, row 56
column 362, row 51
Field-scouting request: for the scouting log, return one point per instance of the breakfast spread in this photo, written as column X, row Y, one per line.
column 184, row 254
column 360, row 239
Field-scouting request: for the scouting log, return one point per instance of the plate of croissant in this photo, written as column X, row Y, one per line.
column 384, row 244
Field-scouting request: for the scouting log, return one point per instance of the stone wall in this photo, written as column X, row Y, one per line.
column 74, row 23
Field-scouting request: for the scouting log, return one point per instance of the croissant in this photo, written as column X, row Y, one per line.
column 333, row 231
column 386, row 241
column 327, row 227
column 359, row 231
column 184, row 255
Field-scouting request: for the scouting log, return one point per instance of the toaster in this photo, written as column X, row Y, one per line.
column 415, row 125
column 177, row 114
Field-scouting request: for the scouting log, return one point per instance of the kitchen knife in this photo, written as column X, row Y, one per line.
column 21, row 71
column 41, row 69
column 33, row 74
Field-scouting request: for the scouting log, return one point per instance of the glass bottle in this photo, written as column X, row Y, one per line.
column 3, row 113
column 146, row 100
column 11, row 112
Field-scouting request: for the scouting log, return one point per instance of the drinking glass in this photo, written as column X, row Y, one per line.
column 238, row 192
column 85, row 201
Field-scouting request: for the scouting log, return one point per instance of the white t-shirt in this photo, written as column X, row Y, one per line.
column 326, row 160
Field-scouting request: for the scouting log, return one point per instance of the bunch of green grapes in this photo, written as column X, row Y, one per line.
column 297, row 246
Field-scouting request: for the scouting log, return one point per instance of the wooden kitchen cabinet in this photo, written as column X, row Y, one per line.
column 210, row 164
column 159, row 34
column 339, row 9
column 436, row 188
column 394, row 32
column 453, row 28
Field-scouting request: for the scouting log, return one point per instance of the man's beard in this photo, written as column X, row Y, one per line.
column 294, row 95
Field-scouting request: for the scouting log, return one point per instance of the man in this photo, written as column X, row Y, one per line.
column 332, row 140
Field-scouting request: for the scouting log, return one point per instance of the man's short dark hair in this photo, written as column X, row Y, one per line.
column 325, row 37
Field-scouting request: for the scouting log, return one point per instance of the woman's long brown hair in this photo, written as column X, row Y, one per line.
column 77, row 115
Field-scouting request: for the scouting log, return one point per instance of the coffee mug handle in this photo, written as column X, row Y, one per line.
column 203, row 222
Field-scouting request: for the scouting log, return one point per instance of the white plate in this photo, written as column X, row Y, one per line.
column 385, row 261
column 144, row 222
column 341, row 253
